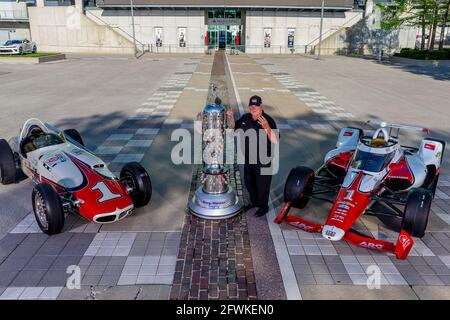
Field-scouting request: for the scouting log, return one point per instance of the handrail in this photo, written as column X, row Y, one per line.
column 117, row 27
column 334, row 30
column 13, row 15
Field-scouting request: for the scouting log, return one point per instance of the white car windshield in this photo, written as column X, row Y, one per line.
column 371, row 162
column 12, row 42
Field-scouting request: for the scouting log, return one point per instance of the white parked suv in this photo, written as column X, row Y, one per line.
column 18, row 47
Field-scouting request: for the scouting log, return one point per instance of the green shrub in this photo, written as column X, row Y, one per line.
column 438, row 55
column 417, row 54
column 404, row 52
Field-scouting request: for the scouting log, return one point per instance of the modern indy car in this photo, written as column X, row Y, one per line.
column 68, row 178
column 365, row 169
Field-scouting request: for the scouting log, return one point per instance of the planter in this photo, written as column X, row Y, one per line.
column 32, row 60
column 420, row 63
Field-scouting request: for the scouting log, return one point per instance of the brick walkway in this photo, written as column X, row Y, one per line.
column 215, row 260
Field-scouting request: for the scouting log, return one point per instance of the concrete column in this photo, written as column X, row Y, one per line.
column 79, row 5
column 40, row 3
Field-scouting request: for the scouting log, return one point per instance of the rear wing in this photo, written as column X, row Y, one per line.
column 384, row 124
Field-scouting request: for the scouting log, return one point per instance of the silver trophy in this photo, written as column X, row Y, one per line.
column 215, row 199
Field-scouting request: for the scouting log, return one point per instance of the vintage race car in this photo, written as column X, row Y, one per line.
column 68, row 178
column 365, row 170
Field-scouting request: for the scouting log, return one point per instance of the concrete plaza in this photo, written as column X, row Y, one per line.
column 126, row 111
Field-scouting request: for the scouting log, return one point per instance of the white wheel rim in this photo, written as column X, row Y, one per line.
column 40, row 210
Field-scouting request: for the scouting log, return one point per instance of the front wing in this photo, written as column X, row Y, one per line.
column 401, row 248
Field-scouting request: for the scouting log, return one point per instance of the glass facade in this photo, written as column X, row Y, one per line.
column 224, row 28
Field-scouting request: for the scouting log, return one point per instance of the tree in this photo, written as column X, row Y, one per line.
column 444, row 20
column 413, row 13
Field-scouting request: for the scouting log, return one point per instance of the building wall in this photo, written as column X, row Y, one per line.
column 169, row 20
column 65, row 29
column 306, row 24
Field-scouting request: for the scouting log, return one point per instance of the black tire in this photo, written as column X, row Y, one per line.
column 299, row 184
column 75, row 135
column 417, row 212
column 47, row 209
column 137, row 177
column 7, row 163
column 20, row 50
column 34, row 49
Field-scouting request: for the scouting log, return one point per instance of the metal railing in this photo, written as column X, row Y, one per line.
column 13, row 15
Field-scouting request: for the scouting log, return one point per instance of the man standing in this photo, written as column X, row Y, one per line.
column 257, row 183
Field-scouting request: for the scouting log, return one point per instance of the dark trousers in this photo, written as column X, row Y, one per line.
column 258, row 186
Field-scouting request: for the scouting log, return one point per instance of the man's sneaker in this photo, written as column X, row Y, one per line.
column 260, row 212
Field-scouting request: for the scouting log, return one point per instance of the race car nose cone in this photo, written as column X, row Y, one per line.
column 332, row 233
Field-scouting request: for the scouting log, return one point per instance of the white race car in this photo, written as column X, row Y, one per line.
column 18, row 47
column 70, row 178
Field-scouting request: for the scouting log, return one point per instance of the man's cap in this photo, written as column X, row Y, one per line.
column 255, row 101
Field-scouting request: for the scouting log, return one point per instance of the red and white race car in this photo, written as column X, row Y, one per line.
column 364, row 170
column 70, row 178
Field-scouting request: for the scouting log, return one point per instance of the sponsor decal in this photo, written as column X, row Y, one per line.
column 54, row 160
column 300, row 225
column 430, row 146
column 76, row 152
column 371, row 245
column 404, row 241
column 348, row 133
column 438, row 154
column 330, row 233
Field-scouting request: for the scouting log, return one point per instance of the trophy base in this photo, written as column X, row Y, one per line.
column 215, row 206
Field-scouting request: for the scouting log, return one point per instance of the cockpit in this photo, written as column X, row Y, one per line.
column 36, row 139
column 375, row 153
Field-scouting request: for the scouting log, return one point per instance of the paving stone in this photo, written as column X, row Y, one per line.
column 316, row 260
column 95, row 270
column 299, row 260
column 62, row 262
column 31, row 293
column 14, row 263
column 6, row 277
column 414, row 279
column 432, row 280
column 332, row 259
column 305, row 279
column 302, row 269
column 40, row 263
column 117, row 261
column 445, row 280
column 50, row 293
column 324, row 279
column 91, row 280
column 12, row 293
column 54, row 278
column 319, row 269
column 343, row 279
column 337, row 268
column 28, row 278
column 424, row 270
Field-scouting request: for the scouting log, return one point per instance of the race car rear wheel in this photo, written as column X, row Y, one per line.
column 417, row 211
column 298, row 185
column 75, row 135
column 7, row 163
column 34, row 49
column 47, row 209
column 136, row 177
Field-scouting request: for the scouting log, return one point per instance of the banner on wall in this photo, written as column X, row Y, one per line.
column 291, row 34
column 182, row 37
column 158, row 36
column 267, row 37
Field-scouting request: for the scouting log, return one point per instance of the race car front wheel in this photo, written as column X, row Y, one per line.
column 136, row 177
column 7, row 163
column 298, row 185
column 417, row 211
column 74, row 135
column 47, row 209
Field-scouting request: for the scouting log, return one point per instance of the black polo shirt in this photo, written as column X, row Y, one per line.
column 246, row 123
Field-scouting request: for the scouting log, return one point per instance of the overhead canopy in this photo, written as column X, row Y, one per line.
column 280, row 4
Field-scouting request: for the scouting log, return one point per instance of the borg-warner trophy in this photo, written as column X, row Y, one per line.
column 215, row 199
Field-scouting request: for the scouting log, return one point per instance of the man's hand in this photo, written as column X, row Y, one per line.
column 263, row 122
column 230, row 115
